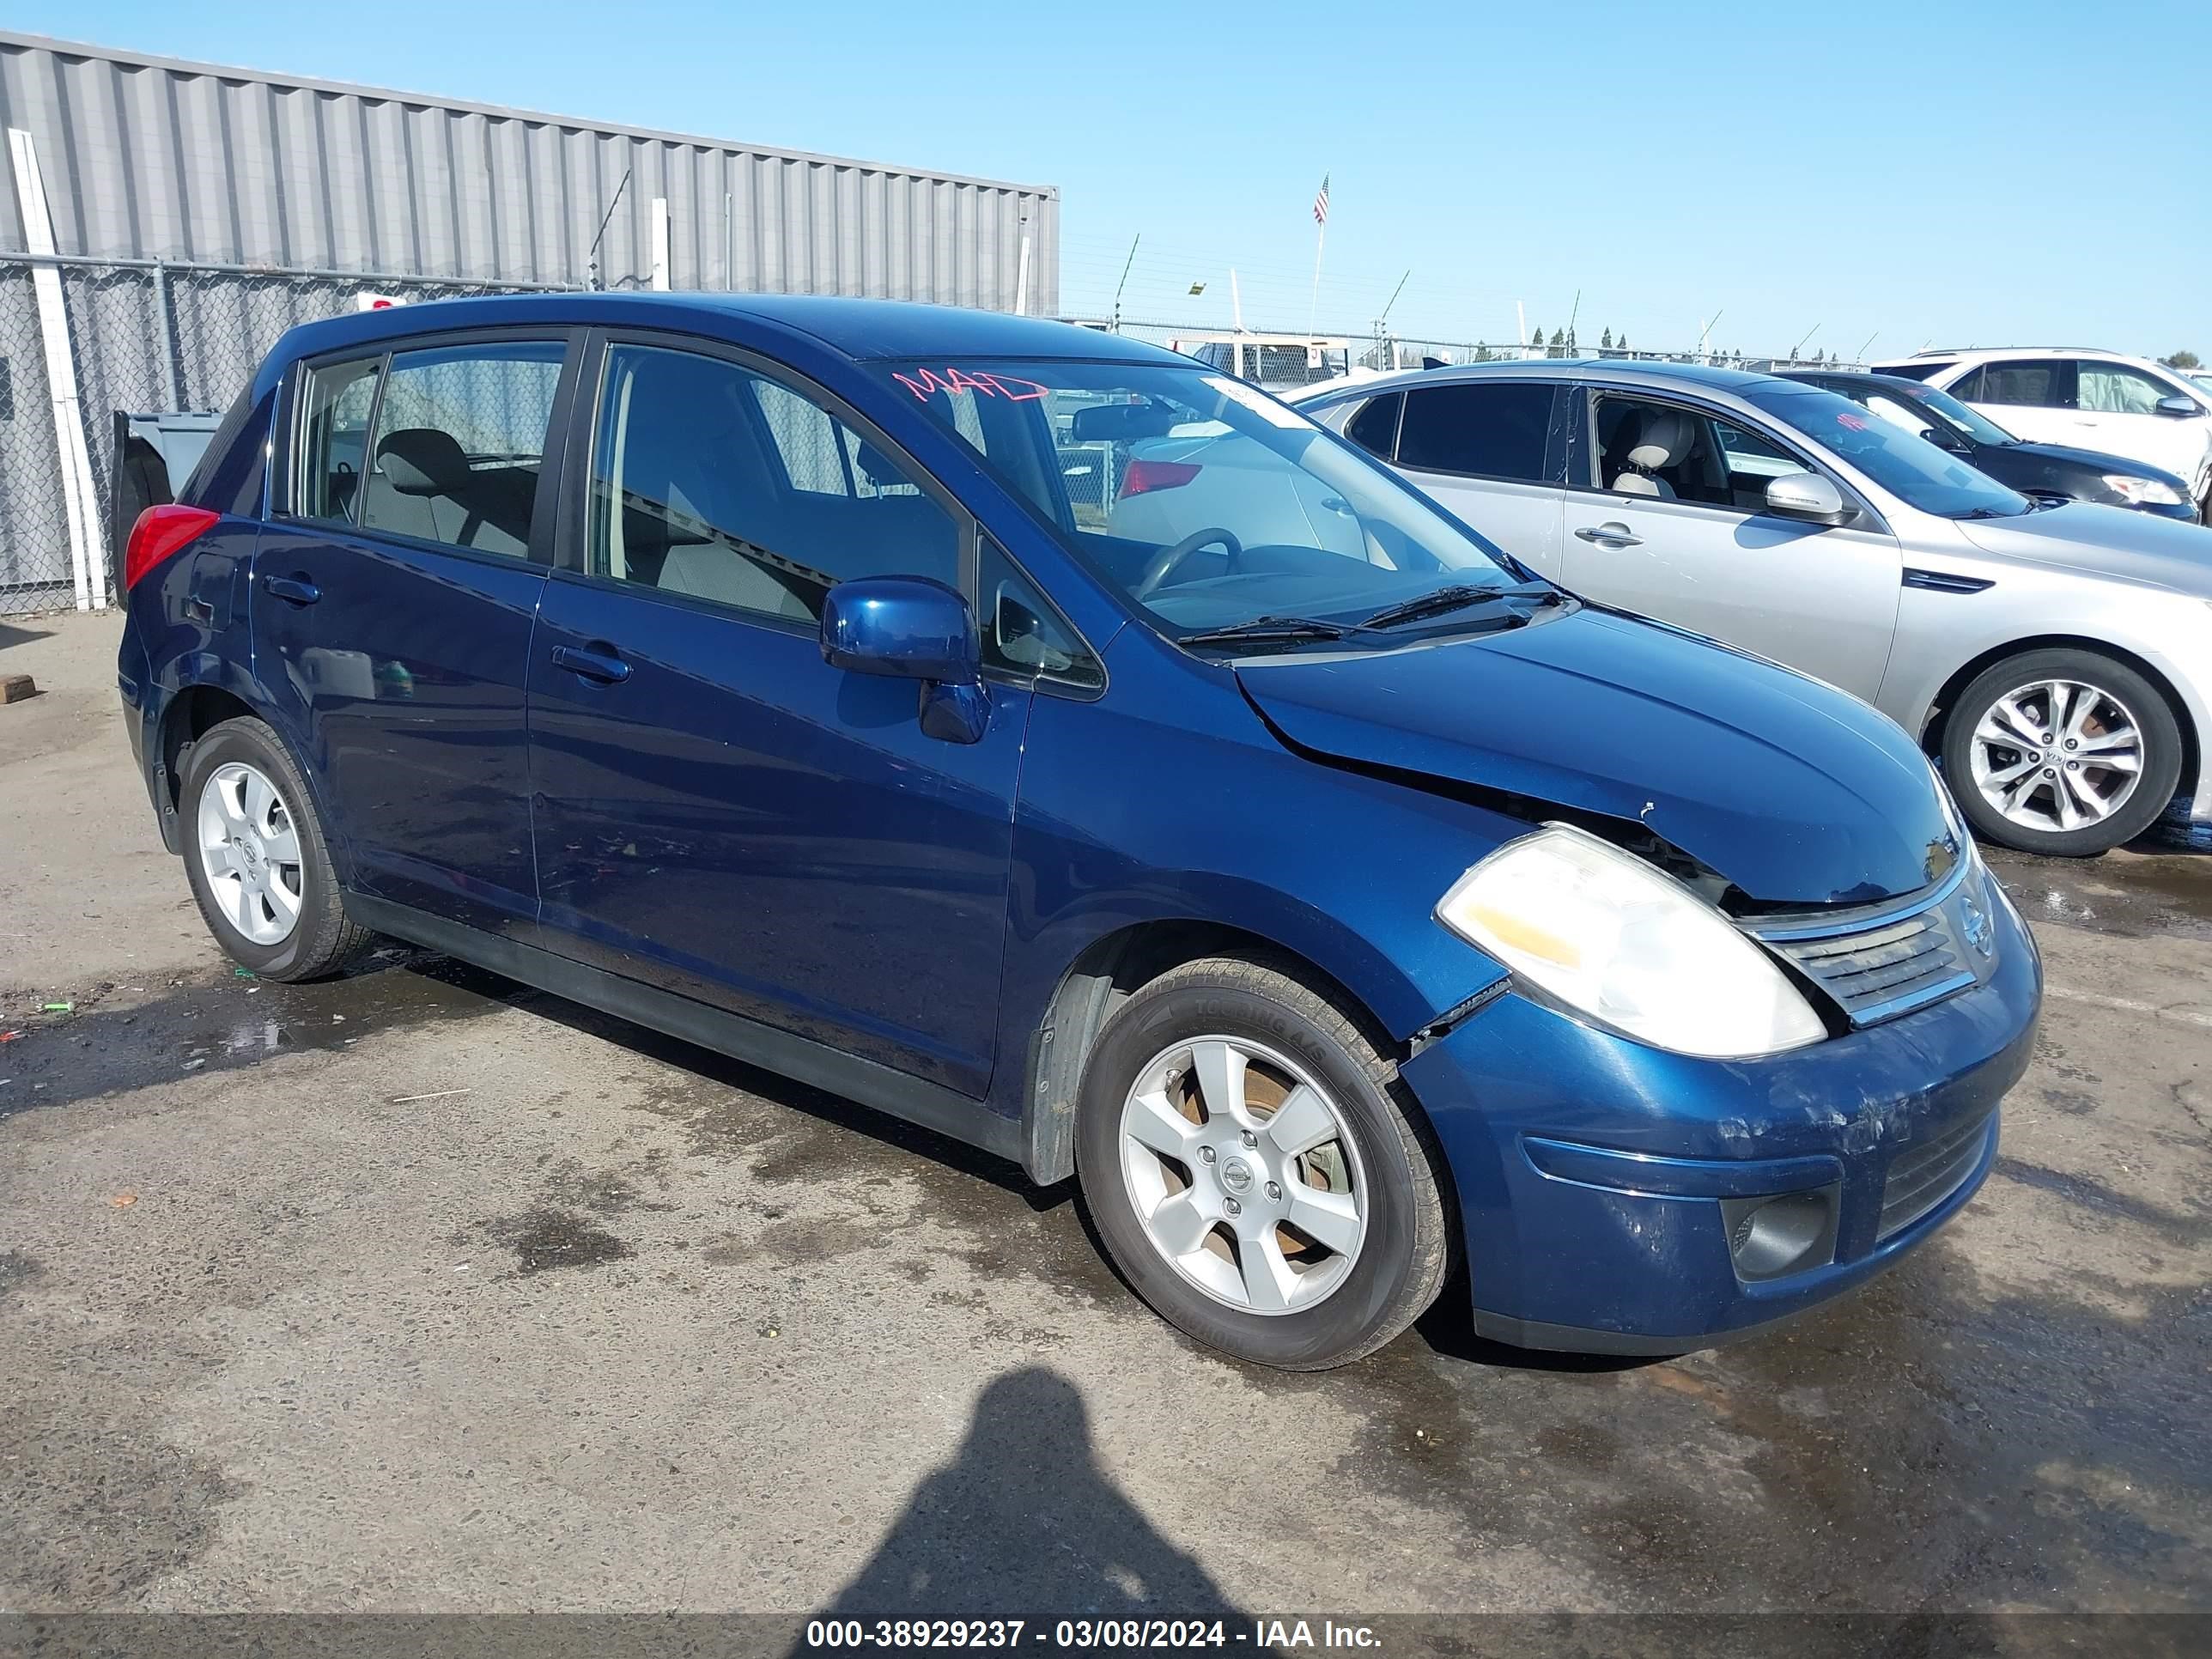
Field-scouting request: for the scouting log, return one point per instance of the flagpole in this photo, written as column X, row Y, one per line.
column 1313, row 316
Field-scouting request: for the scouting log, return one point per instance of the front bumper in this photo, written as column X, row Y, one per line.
column 1599, row 1179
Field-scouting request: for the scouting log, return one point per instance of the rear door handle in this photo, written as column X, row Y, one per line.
column 603, row 666
column 1612, row 534
column 293, row 590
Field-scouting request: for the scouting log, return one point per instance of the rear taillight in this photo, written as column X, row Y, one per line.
column 160, row 531
column 1139, row 477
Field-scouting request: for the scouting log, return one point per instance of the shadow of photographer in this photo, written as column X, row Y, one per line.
column 1023, row 1523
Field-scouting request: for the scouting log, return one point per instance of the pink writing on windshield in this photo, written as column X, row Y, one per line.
column 925, row 383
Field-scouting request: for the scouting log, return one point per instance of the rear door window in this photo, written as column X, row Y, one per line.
column 460, row 437
column 2019, row 384
column 1500, row 431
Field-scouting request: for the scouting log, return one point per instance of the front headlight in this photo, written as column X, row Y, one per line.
column 2142, row 492
column 1605, row 933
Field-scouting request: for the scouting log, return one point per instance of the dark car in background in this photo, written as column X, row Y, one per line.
column 1342, row 907
column 2033, row 468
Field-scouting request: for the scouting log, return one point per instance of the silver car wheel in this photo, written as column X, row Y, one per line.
column 2058, row 755
column 249, row 848
column 1244, row 1175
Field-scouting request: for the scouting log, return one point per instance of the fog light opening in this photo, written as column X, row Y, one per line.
column 1771, row 1237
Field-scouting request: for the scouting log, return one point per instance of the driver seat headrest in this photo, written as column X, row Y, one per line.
column 1659, row 439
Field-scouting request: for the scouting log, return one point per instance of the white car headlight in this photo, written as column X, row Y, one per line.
column 2130, row 488
column 1605, row 933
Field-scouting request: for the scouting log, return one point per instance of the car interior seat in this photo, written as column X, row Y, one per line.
column 425, row 486
column 1648, row 441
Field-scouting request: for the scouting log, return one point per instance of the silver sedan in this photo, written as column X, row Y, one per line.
column 2055, row 657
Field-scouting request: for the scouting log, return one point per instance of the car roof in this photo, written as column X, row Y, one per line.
column 1871, row 380
column 861, row 328
column 1968, row 353
column 1616, row 371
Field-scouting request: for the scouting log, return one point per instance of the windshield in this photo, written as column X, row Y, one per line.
column 1972, row 422
column 1912, row 469
column 1209, row 504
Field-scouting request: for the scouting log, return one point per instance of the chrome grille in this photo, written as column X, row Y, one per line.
column 1922, row 1176
column 1886, row 960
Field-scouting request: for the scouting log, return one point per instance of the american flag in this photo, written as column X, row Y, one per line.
column 1321, row 202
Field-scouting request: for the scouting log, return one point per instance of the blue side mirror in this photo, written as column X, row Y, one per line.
column 905, row 626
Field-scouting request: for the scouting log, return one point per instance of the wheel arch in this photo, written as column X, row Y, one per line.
column 196, row 708
column 1939, row 710
column 1104, row 974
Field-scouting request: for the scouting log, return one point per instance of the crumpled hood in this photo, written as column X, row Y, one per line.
column 1794, row 791
column 2103, row 541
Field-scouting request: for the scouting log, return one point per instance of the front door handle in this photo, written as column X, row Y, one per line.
column 293, row 590
column 602, row 666
column 1613, row 533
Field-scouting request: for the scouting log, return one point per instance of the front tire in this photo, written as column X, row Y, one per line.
column 257, row 858
column 1255, row 1170
column 2065, row 752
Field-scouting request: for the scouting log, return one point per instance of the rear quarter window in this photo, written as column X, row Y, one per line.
column 2021, row 385
column 1482, row 431
column 1375, row 427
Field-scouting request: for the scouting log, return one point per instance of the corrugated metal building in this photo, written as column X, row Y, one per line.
column 197, row 211
column 148, row 158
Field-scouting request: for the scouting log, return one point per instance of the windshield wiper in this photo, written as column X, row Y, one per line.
column 1457, row 598
column 1264, row 628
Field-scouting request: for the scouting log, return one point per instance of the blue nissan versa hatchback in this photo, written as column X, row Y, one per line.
column 1348, row 908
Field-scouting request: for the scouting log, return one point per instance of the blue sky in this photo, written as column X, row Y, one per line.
column 2030, row 171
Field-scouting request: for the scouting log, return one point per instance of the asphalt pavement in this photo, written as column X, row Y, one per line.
column 423, row 1291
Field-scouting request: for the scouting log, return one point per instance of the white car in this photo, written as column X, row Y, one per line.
column 2055, row 655
column 2098, row 400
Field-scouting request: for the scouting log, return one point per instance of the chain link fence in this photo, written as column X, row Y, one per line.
column 163, row 338
column 143, row 337
column 1281, row 358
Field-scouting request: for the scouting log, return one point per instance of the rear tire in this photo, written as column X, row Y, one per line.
column 2052, row 783
column 256, row 857
column 1300, row 1259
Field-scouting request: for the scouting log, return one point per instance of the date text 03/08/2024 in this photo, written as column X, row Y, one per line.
column 1286, row 1635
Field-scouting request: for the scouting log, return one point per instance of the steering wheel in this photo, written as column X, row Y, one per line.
column 1163, row 561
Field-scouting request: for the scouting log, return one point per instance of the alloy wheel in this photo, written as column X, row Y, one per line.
column 1244, row 1175
column 2056, row 755
column 249, row 848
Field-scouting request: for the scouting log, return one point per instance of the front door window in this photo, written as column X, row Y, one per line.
column 716, row 483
